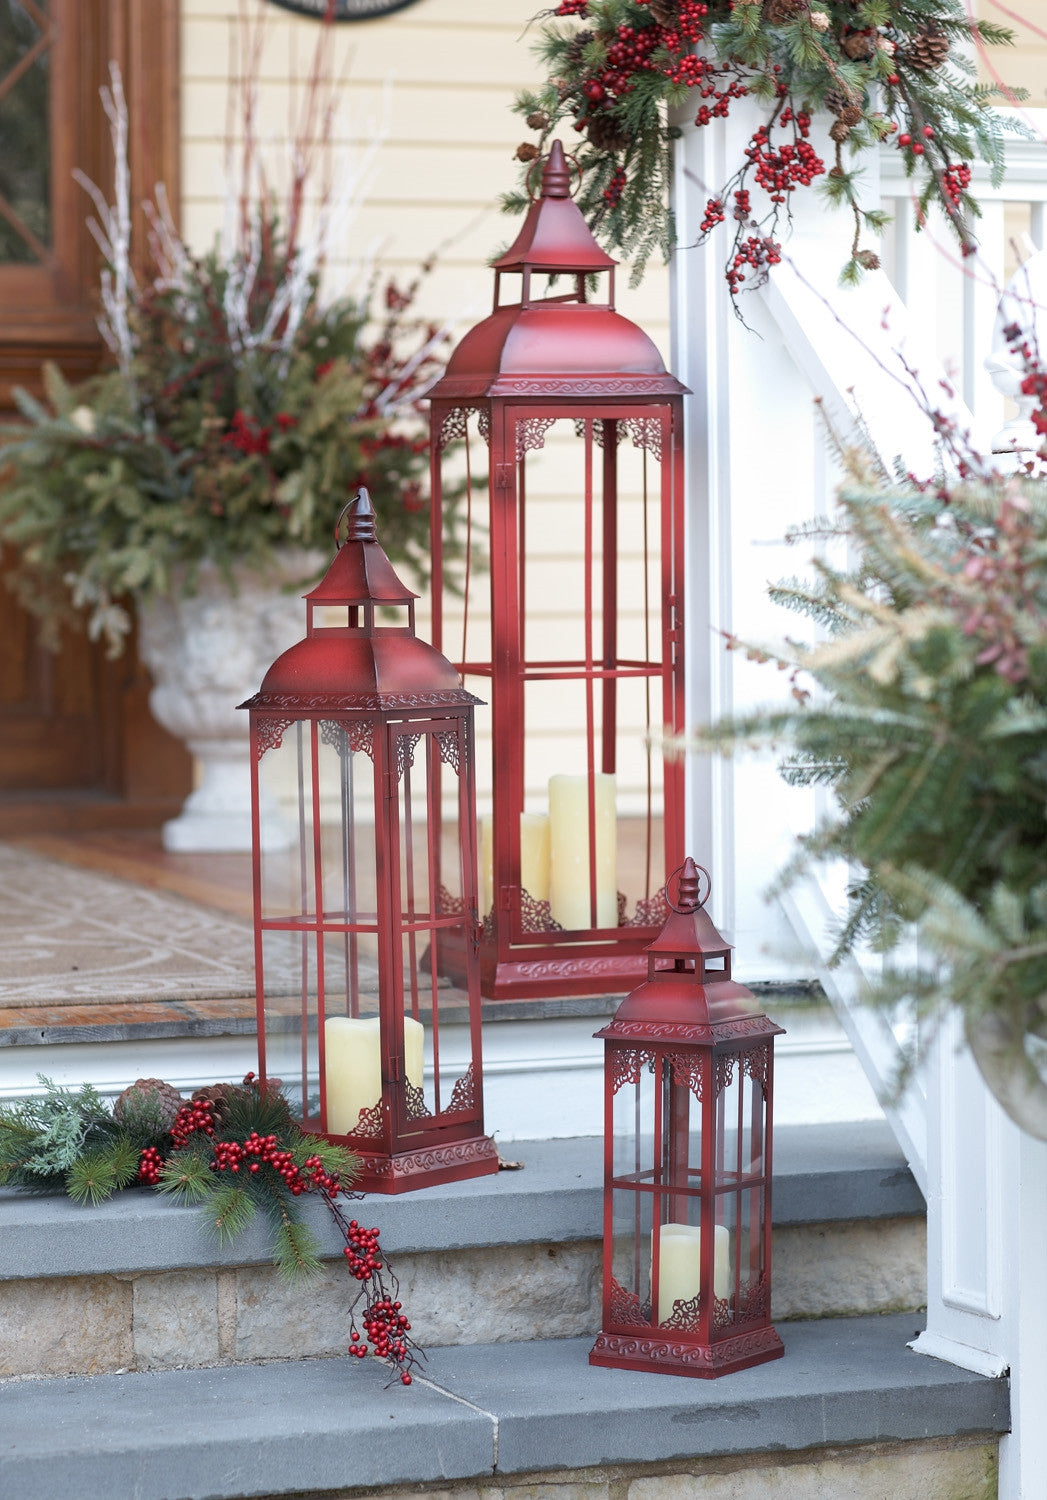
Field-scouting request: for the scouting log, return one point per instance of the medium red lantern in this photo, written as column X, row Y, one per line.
column 362, row 741
column 584, row 662
column 688, row 1084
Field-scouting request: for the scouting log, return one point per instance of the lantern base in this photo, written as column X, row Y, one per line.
column 404, row 1171
column 667, row 1356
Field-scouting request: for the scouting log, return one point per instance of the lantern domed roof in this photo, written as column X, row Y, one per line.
column 561, row 344
column 364, row 663
column 689, row 992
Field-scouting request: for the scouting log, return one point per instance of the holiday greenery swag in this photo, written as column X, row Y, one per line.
column 235, row 1150
column 883, row 71
column 922, row 705
column 239, row 410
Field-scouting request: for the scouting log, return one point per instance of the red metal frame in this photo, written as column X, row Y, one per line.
column 698, row 1040
column 375, row 725
column 545, row 359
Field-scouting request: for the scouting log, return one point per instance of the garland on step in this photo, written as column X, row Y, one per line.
column 235, row 1150
column 883, row 70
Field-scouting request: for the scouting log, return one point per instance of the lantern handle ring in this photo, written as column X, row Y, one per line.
column 540, row 161
column 701, row 899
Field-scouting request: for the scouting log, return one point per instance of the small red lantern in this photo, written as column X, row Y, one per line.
column 584, row 662
column 688, row 1082
column 363, row 735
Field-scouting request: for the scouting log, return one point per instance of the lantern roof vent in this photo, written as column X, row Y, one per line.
column 366, row 660
column 361, row 573
column 689, row 994
column 554, row 236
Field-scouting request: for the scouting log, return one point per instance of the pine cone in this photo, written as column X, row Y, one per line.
column 868, row 259
column 851, row 115
column 836, row 101
column 838, row 131
column 781, row 12
column 859, row 46
column 606, row 134
column 576, row 46
column 527, row 151
column 148, row 1103
column 665, row 12
column 220, row 1096
column 928, row 49
column 538, row 120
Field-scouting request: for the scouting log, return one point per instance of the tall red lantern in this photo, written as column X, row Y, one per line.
column 364, row 844
column 688, row 1085
column 584, row 663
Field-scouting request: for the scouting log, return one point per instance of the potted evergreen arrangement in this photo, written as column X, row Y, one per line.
column 922, row 704
column 198, row 477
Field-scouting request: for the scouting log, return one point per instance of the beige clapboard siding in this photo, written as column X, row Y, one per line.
column 440, row 76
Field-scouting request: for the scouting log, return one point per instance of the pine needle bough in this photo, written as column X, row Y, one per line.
column 234, row 1150
column 619, row 69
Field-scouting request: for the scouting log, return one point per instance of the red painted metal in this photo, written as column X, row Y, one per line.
column 566, row 360
column 366, row 893
column 688, row 1101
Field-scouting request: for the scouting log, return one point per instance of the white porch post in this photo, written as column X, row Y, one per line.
column 986, row 1245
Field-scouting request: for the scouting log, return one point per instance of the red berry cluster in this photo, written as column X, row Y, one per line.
column 711, row 86
column 571, row 8
column 259, row 1151
column 385, row 1324
column 192, row 1117
column 1004, row 596
column 793, row 164
column 714, row 215
column 247, row 435
column 361, row 1250
column 955, row 181
column 755, row 252
column 150, row 1165
column 614, row 189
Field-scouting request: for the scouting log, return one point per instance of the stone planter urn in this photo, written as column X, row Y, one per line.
column 207, row 652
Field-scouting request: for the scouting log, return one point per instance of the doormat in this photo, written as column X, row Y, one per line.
column 74, row 937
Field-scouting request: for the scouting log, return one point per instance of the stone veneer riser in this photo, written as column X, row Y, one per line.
column 134, row 1285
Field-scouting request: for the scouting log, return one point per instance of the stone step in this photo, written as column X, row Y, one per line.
column 848, row 1410
column 134, row 1284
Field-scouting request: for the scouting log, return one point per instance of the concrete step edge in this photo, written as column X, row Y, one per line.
column 479, row 1411
column 823, row 1174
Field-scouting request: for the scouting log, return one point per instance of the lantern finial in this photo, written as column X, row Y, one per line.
column 689, row 897
column 556, row 175
column 362, row 524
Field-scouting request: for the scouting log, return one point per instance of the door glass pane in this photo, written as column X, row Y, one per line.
column 25, row 135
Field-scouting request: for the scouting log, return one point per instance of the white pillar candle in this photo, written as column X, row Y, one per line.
column 534, row 854
column 679, row 1265
column 414, row 1051
column 353, row 1066
column 569, row 851
column 534, row 858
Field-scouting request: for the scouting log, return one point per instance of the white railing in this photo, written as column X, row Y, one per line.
column 952, row 300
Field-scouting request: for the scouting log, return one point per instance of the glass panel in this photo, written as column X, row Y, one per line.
column 25, row 162
column 592, row 679
column 436, row 915
column 288, row 976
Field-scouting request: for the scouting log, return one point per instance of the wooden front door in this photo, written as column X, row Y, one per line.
column 73, row 722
